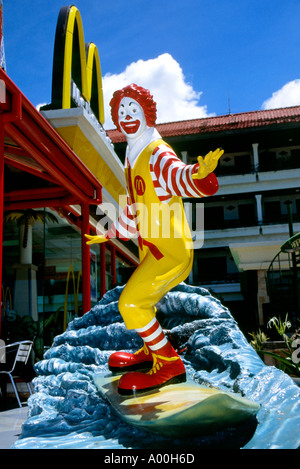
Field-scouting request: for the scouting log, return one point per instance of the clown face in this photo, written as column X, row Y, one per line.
column 131, row 118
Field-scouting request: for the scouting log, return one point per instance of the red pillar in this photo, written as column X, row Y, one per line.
column 113, row 267
column 85, row 254
column 102, row 270
column 1, row 204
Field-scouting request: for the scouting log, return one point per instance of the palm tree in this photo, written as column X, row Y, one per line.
column 26, row 219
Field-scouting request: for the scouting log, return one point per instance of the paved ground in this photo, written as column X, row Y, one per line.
column 11, row 419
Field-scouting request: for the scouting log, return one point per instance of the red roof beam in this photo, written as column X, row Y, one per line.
column 14, row 150
column 35, row 194
column 91, row 188
column 58, row 142
column 29, row 169
column 41, row 141
column 65, row 180
column 11, row 108
column 42, row 203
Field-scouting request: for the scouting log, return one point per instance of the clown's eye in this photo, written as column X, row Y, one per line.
column 134, row 109
column 122, row 112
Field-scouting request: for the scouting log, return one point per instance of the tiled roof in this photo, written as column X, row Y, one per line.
column 222, row 123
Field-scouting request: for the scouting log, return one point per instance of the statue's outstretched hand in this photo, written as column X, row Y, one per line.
column 95, row 239
column 208, row 164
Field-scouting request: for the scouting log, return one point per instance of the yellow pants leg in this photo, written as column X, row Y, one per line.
column 151, row 280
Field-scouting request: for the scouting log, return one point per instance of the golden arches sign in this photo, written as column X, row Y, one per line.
column 76, row 66
column 6, row 298
column 75, row 294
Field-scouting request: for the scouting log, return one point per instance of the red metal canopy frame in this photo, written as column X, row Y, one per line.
column 28, row 143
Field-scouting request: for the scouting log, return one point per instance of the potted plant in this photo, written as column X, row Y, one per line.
column 287, row 351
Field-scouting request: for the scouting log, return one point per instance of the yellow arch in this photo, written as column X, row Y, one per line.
column 94, row 59
column 4, row 295
column 75, row 293
column 89, row 62
column 74, row 17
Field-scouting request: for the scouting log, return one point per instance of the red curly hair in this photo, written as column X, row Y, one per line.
column 139, row 94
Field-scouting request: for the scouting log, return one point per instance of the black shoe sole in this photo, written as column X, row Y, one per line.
column 138, row 367
column 133, row 392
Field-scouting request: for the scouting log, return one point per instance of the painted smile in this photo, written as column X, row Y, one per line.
column 130, row 127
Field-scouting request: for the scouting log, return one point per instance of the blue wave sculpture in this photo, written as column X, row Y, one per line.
column 66, row 410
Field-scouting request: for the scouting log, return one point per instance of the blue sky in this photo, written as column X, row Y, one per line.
column 192, row 54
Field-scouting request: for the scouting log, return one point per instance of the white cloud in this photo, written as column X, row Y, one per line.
column 38, row 106
column 288, row 95
column 176, row 99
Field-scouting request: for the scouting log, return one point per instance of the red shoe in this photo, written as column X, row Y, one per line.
column 123, row 361
column 165, row 370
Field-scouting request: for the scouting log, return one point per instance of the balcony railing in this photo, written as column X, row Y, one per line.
column 214, row 279
column 234, row 170
column 265, row 164
column 228, row 224
column 219, row 224
column 280, row 219
column 274, row 164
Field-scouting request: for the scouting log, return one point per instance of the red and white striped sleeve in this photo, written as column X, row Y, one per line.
column 172, row 177
column 124, row 227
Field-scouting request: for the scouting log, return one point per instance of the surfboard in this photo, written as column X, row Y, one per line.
column 183, row 409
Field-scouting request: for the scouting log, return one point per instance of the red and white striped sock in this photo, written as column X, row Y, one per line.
column 155, row 339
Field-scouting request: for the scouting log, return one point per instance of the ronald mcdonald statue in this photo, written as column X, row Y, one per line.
column 156, row 182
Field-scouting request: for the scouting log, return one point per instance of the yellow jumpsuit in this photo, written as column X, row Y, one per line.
column 165, row 245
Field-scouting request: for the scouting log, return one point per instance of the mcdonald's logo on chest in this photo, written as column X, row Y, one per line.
column 139, row 185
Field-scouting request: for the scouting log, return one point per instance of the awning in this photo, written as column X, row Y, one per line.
column 32, row 145
column 38, row 169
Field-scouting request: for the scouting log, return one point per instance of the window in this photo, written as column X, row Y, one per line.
column 242, row 164
column 213, row 218
column 247, row 214
column 211, row 269
column 272, row 211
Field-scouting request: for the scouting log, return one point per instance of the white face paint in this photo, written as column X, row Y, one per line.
column 131, row 118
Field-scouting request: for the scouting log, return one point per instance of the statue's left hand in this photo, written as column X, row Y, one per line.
column 208, row 164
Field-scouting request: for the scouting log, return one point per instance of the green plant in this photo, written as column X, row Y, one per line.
column 280, row 326
column 258, row 339
column 27, row 217
column 288, row 361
